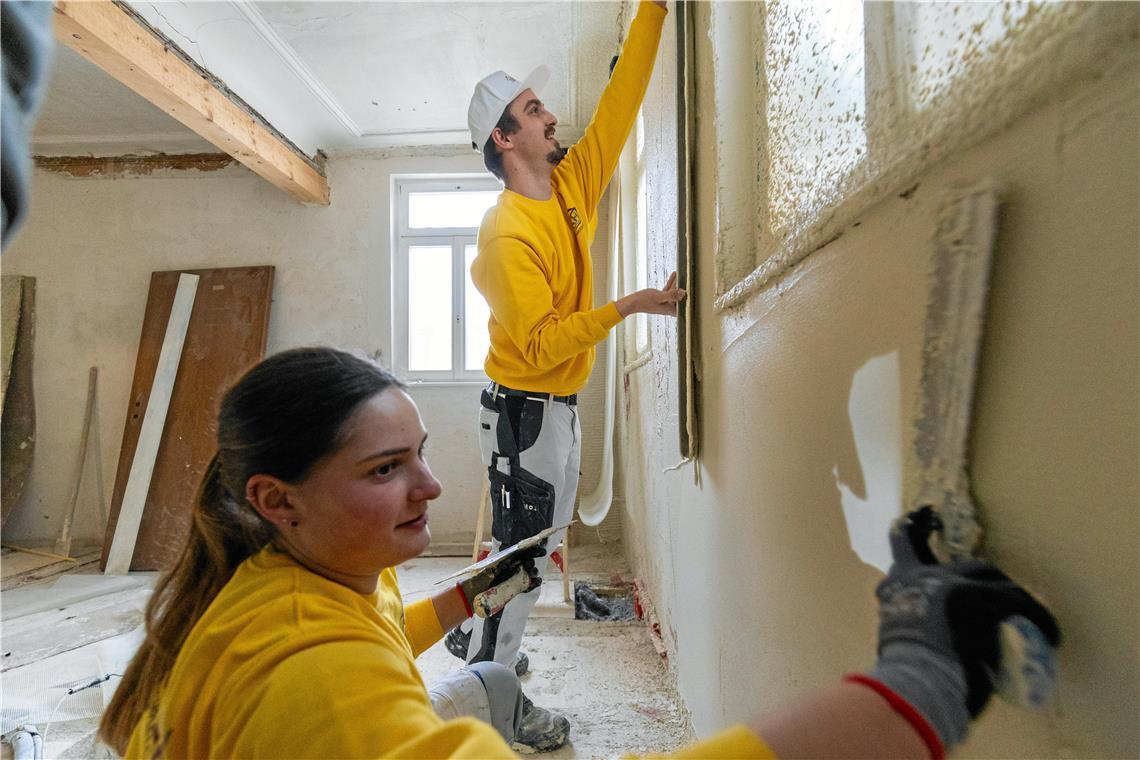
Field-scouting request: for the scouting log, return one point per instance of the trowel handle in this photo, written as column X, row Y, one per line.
column 1028, row 673
column 495, row 598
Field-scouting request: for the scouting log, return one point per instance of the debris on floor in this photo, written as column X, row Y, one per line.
column 603, row 603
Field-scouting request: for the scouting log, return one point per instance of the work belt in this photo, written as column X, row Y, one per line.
column 495, row 390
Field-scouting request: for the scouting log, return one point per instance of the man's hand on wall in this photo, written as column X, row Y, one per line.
column 652, row 300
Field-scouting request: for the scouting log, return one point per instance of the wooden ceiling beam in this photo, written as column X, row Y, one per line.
column 120, row 42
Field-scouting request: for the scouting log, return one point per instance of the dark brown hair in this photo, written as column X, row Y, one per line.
column 492, row 156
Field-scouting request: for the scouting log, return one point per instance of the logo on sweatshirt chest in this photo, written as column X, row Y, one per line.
column 575, row 219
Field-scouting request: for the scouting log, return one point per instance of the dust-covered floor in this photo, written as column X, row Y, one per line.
column 62, row 627
column 607, row 678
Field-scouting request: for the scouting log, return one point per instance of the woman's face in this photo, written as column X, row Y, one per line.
column 364, row 508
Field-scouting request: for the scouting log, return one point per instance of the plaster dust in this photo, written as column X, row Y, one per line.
column 607, row 678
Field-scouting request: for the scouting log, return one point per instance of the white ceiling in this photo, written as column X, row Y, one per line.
column 342, row 76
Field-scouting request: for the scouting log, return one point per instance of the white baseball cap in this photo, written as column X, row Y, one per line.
column 492, row 96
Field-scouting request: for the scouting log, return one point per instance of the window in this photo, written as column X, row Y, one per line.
column 634, row 234
column 440, row 318
column 819, row 111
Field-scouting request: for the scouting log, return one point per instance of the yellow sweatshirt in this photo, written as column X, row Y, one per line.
column 533, row 264
column 287, row 664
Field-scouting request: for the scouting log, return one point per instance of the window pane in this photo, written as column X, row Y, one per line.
column 477, row 340
column 641, row 260
column 941, row 41
column 449, row 208
column 816, row 106
column 429, row 307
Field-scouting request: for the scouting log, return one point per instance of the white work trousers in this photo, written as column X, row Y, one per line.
column 546, row 437
column 485, row 690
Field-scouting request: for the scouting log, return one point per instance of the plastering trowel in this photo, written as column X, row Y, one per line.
column 486, row 603
column 953, row 330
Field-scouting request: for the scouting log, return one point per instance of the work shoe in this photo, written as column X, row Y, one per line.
column 457, row 642
column 540, row 729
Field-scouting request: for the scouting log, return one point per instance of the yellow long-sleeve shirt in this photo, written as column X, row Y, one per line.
column 533, row 264
column 287, row 664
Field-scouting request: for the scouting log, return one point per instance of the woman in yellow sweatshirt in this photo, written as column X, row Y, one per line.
column 281, row 631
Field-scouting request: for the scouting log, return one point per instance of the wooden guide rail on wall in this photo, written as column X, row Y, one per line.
column 686, row 269
column 226, row 335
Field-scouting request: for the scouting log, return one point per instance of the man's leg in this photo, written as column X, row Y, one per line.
column 551, row 453
column 487, row 691
column 553, row 456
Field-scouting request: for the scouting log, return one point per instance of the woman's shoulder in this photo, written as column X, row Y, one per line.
column 270, row 592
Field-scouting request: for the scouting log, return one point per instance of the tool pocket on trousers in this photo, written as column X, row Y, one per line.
column 522, row 505
column 488, row 434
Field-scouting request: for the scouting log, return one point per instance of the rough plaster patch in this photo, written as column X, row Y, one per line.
column 978, row 69
column 659, row 162
column 132, row 165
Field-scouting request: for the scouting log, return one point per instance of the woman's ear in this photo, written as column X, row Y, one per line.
column 270, row 497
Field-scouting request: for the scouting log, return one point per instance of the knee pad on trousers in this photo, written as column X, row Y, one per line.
column 504, row 693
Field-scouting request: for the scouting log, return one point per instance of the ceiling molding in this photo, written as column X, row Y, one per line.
column 433, row 136
column 297, row 66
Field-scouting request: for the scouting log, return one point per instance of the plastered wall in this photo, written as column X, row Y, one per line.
column 750, row 567
column 92, row 244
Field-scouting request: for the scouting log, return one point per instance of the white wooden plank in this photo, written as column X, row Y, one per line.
column 45, row 634
column 150, row 434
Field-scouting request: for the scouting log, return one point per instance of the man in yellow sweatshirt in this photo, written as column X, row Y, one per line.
column 533, row 267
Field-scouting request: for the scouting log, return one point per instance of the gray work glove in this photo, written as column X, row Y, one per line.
column 939, row 642
column 489, row 590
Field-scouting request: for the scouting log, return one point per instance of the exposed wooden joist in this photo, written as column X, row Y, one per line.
column 118, row 41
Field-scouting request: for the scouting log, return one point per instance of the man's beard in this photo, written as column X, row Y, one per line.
column 555, row 156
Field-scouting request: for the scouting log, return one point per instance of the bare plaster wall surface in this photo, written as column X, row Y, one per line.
column 750, row 567
column 93, row 242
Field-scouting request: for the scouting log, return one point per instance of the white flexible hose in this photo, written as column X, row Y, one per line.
column 594, row 507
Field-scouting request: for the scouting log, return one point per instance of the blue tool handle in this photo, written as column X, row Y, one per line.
column 1027, row 674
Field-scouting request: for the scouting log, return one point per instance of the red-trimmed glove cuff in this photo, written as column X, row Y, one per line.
column 466, row 602
column 912, row 716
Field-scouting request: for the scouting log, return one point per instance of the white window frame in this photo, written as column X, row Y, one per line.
column 634, row 243
column 458, row 238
